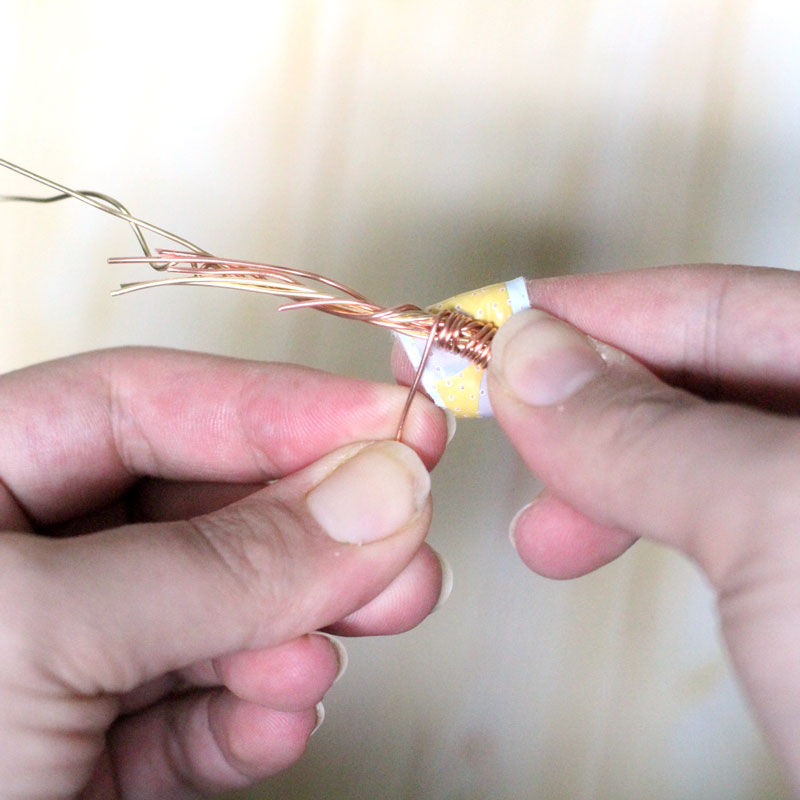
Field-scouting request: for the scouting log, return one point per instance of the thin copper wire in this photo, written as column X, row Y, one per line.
column 412, row 389
column 104, row 203
column 446, row 329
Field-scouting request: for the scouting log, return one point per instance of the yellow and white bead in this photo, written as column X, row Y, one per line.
column 453, row 382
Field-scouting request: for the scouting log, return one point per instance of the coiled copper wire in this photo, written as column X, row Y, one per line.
column 465, row 336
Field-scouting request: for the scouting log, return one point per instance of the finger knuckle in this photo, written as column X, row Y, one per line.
column 639, row 418
column 128, row 435
column 252, row 546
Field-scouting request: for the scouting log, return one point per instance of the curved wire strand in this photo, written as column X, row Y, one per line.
column 137, row 231
column 103, row 203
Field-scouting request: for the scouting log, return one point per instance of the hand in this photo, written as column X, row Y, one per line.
column 168, row 651
column 624, row 450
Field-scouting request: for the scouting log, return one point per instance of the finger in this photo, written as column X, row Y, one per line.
column 552, row 538
column 422, row 587
column 80, row 430
column 287, row 677
column 557, row 541
column 211, row 742
column 136, row 602
column 630, row 452
column 724, row 331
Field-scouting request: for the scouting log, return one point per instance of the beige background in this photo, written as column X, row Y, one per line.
column 416, row 149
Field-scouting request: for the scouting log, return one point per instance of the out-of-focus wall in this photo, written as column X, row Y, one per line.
column 415, row 149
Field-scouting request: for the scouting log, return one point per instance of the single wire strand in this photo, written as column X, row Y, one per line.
column 412, row 389
column 116, row 209
column 137, row 231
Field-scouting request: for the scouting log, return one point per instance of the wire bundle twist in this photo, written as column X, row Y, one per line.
column 451, row 330
column 446, row 329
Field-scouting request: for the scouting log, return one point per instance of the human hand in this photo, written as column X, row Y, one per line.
column 624, row 450
column 167, row 650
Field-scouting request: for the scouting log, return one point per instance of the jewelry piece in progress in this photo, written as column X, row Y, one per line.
column 448, row 344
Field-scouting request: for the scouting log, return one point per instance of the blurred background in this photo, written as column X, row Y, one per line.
column 414, row 150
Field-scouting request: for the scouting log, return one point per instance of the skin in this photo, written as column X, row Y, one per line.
column 167, row 651
column 686, row 433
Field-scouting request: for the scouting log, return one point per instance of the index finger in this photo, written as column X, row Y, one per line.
column 724, row 331
column 79, row 431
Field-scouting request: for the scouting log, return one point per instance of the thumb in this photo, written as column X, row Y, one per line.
column 626, row 450
column 126, row 605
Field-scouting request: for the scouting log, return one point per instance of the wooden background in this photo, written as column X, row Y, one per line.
column 417, row 149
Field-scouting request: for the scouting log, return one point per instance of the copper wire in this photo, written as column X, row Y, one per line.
column 465, row 336
column 446, row 329
column 102, row 202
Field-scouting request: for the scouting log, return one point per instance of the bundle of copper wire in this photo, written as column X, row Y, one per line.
column 449, row 330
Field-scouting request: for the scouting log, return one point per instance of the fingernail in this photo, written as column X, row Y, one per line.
column 450, row 419
column 341, row 652
column 543, row 360
column 320, row 711
column 372, row 495
column 447, row 582
column 512, row 527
